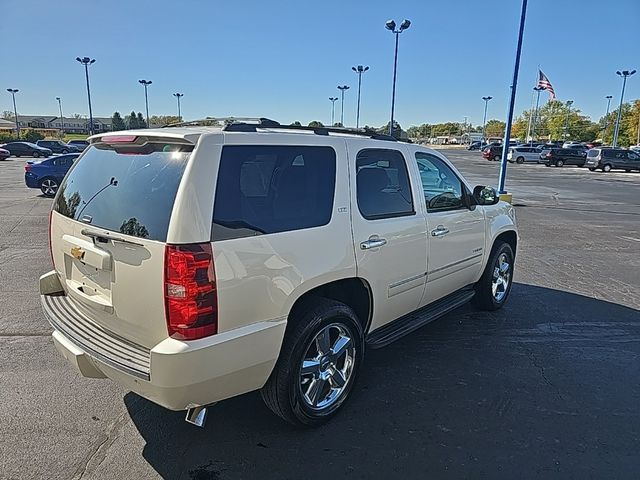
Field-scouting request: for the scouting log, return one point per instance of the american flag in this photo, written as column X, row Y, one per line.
column 544, row 82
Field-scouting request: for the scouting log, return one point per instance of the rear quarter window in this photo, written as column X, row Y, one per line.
column 266, row 189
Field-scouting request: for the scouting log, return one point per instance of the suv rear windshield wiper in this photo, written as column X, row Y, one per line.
column 235, row 224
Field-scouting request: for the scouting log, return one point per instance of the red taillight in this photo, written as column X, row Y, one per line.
column 191, row 299
column 27, row 167
column 51, row 249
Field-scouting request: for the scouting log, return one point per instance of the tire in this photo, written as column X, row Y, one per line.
column 35, row 154
column 520, row 160
column 49, row 186
column 496, row 158
column 591, row 169
column 606, row 168
column 283, row 392
column 485, row 298
column 65, row 151
column 559, row 163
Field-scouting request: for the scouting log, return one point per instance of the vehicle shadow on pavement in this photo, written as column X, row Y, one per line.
column 546, row 387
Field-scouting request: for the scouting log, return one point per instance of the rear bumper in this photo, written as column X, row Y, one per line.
column 180, row 374
column 31, row 180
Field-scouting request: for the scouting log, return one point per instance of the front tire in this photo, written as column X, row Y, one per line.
column 606, row 168
column 559, row 163
column 520, row 160
column 591, row 169
column 318, row 363
column 496, row 158
column 493, row 288
column 35, row 154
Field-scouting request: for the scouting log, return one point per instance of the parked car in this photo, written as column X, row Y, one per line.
column 56, row 146
column 577, row 146
column 635, row 148
column 26, row 149
column 154, row 260
column 489, row 145
column 4, row 154
column 559, row 157
column 48, row 174
column 493, row 153
column 522, row 154
column 608, row 159
column 79, row 144
column 474, row 146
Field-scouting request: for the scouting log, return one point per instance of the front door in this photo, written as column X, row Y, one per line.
column 456, row 233
column 389, row 230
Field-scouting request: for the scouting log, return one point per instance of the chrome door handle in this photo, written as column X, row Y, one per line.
column 439, row 231
column 372, row 243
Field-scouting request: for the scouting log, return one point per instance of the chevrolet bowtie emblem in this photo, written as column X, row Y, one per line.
column 77, row 252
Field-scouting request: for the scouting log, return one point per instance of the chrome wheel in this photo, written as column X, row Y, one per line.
column 327, row 366
column 501, row 278
column 49, row 187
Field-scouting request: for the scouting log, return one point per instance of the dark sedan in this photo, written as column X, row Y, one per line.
column 56, row 146
column 79, row 144
column 47, row 174
column 4, row 154
column 26, row 149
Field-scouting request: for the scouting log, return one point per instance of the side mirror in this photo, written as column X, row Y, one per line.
column 485, row 195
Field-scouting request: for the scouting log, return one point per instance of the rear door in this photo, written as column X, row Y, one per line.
column 108, row 227
column 389, row 227
column 633, row 161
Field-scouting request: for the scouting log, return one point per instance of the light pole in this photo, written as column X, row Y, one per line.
column 178, row 96
column 86, row 61
column 342, row 89
column 359, row 70
column 61, row 117
column 333, row 106
column 624, row 74
column 391, row 26
column 13, row 92
column 484, row 119
column 512, row 101
column 145, row 84
column 606, row 115
column 566, row 121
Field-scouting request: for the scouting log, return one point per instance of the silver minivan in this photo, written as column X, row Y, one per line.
column 522, row 154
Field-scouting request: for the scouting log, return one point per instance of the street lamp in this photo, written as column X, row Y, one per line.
column 624, row 74
column 359, row 70
column 145, row 84
column 13, row 92
column 484, row 120
column 178, row 96
column 566, row 122
column 86, row 61
column 333, row 105
column 606, row 115
column 391, row 26
column 342, row 90
column 61, row 117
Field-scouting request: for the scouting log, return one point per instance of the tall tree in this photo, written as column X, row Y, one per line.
column 142, row 123
column 296, row 124
column 161, row 120
column 494, row 128
column 7, row 115
column 315, row 124
column 132, row 121
column 117, row 123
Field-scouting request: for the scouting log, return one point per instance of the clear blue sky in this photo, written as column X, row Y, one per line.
column 283, row 59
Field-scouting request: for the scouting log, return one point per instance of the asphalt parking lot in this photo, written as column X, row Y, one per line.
column 547, row 387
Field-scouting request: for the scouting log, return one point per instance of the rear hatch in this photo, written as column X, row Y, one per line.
column 108, row 230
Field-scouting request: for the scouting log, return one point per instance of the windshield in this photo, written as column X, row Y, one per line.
column 131, row 193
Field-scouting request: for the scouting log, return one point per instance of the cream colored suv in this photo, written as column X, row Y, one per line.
column 196, row 263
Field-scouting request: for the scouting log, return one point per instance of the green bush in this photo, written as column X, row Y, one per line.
column 30, row 136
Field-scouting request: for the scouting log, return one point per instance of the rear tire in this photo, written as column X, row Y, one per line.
column 49, row 187
column 326, row 338
column 591, row 169
column 606, row 168
column 496, row 158
column 559, row 163
column 35, row 154
column 493, row 288
column 520, row 160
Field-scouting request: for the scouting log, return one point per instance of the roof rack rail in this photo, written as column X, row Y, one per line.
column 251, row 124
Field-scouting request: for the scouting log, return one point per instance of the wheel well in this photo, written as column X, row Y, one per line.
column 354, row 292
column 510, row 238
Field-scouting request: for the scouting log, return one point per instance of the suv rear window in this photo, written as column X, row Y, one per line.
column 131, row 192
column 264, row 189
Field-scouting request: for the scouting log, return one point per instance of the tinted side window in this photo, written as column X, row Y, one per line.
column 442, row 188
column 382, row 184
column 269, row 189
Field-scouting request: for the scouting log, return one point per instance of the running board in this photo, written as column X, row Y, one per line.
column 397, row 329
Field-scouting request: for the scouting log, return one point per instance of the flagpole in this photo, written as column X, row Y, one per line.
column 533, row 95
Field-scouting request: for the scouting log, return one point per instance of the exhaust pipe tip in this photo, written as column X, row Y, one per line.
column 196, row 416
